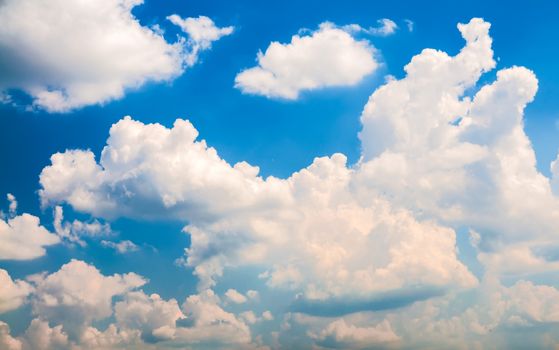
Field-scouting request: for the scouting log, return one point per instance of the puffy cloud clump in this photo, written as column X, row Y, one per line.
column 21, row 236
column 105, row 51
column 329, row 56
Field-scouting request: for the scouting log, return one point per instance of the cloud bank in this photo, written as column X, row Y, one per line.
column 440, row 155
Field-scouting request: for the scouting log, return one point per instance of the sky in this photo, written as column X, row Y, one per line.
column 279, row 175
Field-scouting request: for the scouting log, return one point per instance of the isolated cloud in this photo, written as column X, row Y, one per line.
column 235, row 296
column 12, row 293
column 327, row 57
column 122, row 247
column 22, row 237
column 104, row 52
column 385, row 27
column 202, row 32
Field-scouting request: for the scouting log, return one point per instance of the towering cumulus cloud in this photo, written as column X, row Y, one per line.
column 366, row 253
column 104, row 51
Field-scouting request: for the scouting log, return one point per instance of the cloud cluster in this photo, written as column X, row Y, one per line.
column 310, row 232
column 366, row 252
column 104, row 52
column 68, row 303
column 329, row 56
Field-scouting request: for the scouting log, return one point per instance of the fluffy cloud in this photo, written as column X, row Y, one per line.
column 22, row 237
column 12, row 293
column 311, row 231
column 463, row 161
column 433, row 160
column 339, row 334
column 69, row 303
column 155, row 317
column 327, row 57
column 211, row 324
column 235, row 296
column 40, row 336
column 8, row 342
column 104, row 51
column 78, row 294
column 201, row 31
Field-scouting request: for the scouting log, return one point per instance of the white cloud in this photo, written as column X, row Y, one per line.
column 267, row 315
column 22, row 237
column 311, row 231
column 12, row 209
column 12, row 293
column 78, row 294
column 7, row 342
column 69, row 54
column 479, row 172
column 339, row 334
column 432, row 160
column 235, row 296
column 327, row 57
column 40, row 336
column 155, row 317
column 76, row 230
column 385, row 27
column 122, row 247
column 211, row 324
column 410, row 24
column 201, row 31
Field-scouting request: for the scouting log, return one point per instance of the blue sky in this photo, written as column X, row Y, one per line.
column 453, row 215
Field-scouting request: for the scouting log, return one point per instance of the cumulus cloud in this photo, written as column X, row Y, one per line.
column 78, row 294
column 40, row 336
column 8, row 342
column 155, row 317
column 69, row 304
column 327, row 57
column 22, row 237
column 12, row 293
column 439, row 153
column 311, row 231
column 66, row 55
column 211, row 323
column 466, row 162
